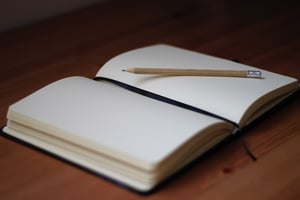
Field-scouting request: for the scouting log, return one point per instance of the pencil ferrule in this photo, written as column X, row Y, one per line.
column 253, row 73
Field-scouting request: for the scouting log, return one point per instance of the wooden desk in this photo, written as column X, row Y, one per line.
column 259, row 33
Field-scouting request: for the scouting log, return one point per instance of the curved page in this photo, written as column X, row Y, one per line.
column 227, row 97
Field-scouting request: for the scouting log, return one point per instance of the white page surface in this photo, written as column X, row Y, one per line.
column 102, row 116
column 228, row 97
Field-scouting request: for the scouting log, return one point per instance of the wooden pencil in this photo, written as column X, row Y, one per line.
column 195, row 72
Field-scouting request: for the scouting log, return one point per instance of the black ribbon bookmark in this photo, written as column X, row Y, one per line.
column 247, row 150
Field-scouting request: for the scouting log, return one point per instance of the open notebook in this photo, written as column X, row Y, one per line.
column 140, row 129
